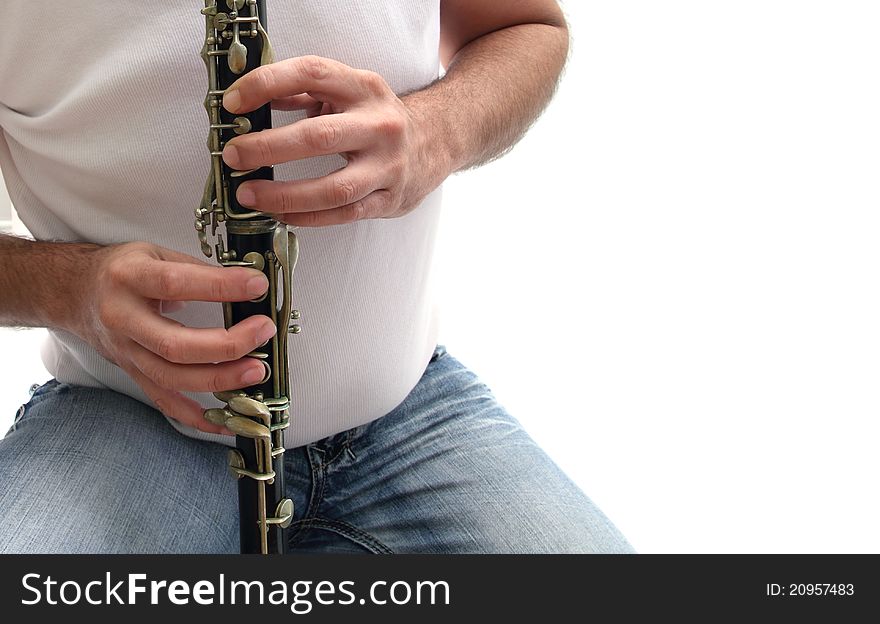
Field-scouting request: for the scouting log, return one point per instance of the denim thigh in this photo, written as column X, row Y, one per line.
column 87, row 470
column 448, row 471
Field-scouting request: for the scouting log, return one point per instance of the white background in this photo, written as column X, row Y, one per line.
column 672, row 281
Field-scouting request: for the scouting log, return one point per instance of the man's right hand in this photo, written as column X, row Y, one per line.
column 125, row 288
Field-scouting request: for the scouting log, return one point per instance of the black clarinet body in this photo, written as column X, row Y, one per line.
column 236, row 43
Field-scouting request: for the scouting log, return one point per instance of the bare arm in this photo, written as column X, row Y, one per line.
column 38, row 282
column 503, row 62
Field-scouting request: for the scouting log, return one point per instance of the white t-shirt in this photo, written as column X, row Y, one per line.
column 102, row 139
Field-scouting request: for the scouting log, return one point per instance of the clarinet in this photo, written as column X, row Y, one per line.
column 236, row 43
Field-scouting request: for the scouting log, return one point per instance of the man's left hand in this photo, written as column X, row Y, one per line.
column 351, row 112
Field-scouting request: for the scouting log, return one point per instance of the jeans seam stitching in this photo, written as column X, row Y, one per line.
column 353, row 533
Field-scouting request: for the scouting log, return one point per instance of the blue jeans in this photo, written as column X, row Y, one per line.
column 85, row 470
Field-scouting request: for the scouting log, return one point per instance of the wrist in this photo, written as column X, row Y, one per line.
column 438, row 150
column 77, row 292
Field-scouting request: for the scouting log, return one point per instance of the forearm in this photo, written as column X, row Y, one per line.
column 493, row 90
column 39, row 282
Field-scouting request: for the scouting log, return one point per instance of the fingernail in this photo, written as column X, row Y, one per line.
column 230, row 156
column 232, row 100
column 253, row 376
column 246, row 197
column 257, row 285
column 267, row 332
